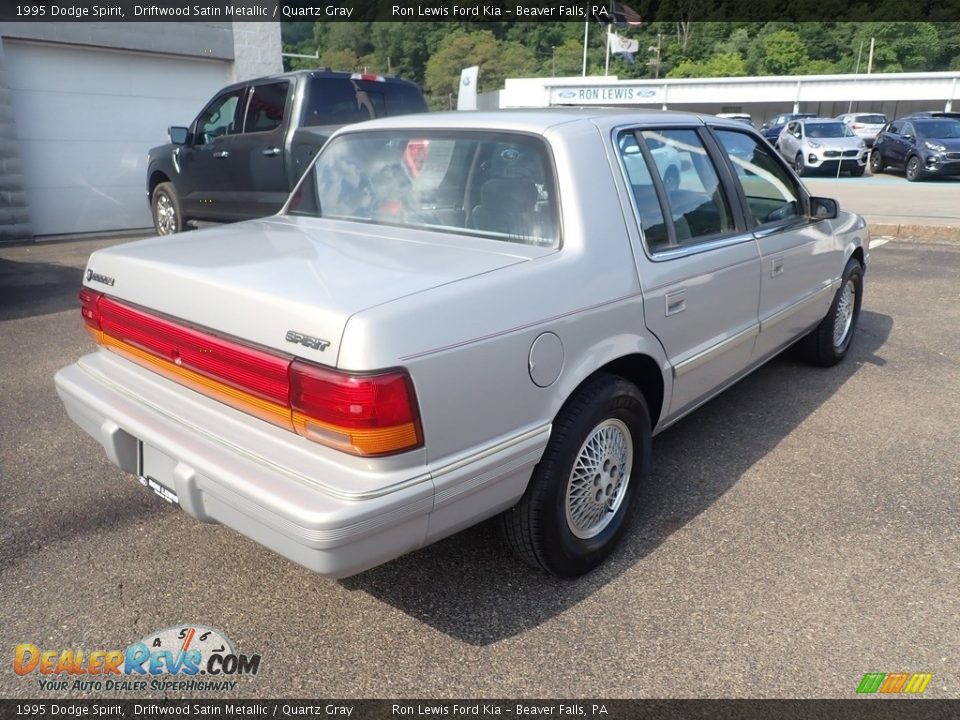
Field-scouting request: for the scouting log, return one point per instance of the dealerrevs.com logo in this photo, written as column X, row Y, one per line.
column 190, row 658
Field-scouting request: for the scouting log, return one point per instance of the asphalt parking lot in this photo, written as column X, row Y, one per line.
column 797, row 532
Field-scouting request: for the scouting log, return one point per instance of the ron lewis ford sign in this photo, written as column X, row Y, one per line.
column 605, row 95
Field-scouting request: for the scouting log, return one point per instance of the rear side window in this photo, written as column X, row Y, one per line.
column 871, row 119
column 697, row 206
column 341, row 101
column 772, row 193
column 266, row 106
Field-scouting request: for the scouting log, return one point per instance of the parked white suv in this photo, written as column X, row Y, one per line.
column 866, row 126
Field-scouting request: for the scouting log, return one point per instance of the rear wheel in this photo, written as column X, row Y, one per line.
column 829, row 342
column 913, row 170
column 167, row 215
column 577, row 505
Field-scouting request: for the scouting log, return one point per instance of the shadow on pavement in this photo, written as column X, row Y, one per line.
column 471, row 587
column 28, row 289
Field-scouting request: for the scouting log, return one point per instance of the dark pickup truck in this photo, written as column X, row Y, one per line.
column 242, row 155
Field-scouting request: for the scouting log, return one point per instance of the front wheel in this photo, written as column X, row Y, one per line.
column 829, row 342
column 799, row 165
column 856, row 172
column 913, row 171
column 876, row 162
column 577, row 504
column 167, row 215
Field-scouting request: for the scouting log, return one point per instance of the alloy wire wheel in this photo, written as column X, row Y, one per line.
column 599, row 480
column 167, row 216
column 876, row 162
column 843, row 319
column 576, row 506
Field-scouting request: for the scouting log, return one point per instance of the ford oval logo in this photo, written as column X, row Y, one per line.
column 510, row 154
column 567, row 94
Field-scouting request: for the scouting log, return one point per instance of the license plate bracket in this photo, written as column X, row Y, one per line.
column 155, row 472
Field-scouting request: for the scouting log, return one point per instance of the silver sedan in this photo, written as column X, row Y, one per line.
column 457, row 316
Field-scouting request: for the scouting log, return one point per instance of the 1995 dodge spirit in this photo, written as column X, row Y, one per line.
column 459, row 315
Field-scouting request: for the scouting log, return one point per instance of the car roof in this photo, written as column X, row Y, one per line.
column 323, row 72
column 540, row 120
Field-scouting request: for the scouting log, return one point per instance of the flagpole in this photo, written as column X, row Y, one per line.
column 586, row 35
column 606, row 70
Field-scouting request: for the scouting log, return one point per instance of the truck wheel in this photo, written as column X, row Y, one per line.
column 829, row 342
column 167, row 216
column 577, row 504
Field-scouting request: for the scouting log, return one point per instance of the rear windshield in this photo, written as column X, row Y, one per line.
column 827, row 130
column 340, row 101
column 497, row 185
column 939, row 129
column 870, row 119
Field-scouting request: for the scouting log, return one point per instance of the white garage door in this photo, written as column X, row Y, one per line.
column 85, row 120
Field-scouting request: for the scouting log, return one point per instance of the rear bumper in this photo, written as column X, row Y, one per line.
column 312, row 505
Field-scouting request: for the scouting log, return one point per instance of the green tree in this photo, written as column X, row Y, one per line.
column 901, row 46
column 782, row 53
column 497, row 60
column 567, row 59
column 724, row 65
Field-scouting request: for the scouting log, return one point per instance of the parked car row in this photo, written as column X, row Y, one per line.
column 923, row 144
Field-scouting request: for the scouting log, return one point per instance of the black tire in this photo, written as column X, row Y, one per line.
column 857, row 172
column 799, row 165
column 538, row 528
column 671, row 178
column 167, row 214
column 821, row 347
column 876, row 162
column 913, row 169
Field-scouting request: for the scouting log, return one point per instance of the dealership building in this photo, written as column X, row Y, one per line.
column 894, row 94
column 81, row 103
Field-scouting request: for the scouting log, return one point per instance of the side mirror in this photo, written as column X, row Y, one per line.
column 907, row 137
column 178, row 135
column 822, row 208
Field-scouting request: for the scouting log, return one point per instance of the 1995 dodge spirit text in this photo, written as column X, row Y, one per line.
column 455, row 316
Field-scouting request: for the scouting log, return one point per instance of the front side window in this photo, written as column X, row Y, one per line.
column 220, row 118
column 772, row 193
column 266, row 106
column 496, row 185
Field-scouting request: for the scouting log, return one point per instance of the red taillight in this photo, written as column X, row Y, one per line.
column 363, row 414
column 240, row 366
column 368, row 415
column 90, row 308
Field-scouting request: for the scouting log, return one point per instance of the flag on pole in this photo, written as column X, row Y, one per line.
column 623, row 46
column 624, row 15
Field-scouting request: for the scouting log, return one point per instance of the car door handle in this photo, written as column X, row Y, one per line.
column 220, row 154
column 676, row 302
column 776, row 267
column 270, row 152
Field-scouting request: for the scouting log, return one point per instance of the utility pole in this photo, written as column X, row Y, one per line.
column 870, row 58
column 655, row 63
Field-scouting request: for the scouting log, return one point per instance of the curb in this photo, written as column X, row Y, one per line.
column 909, row 231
